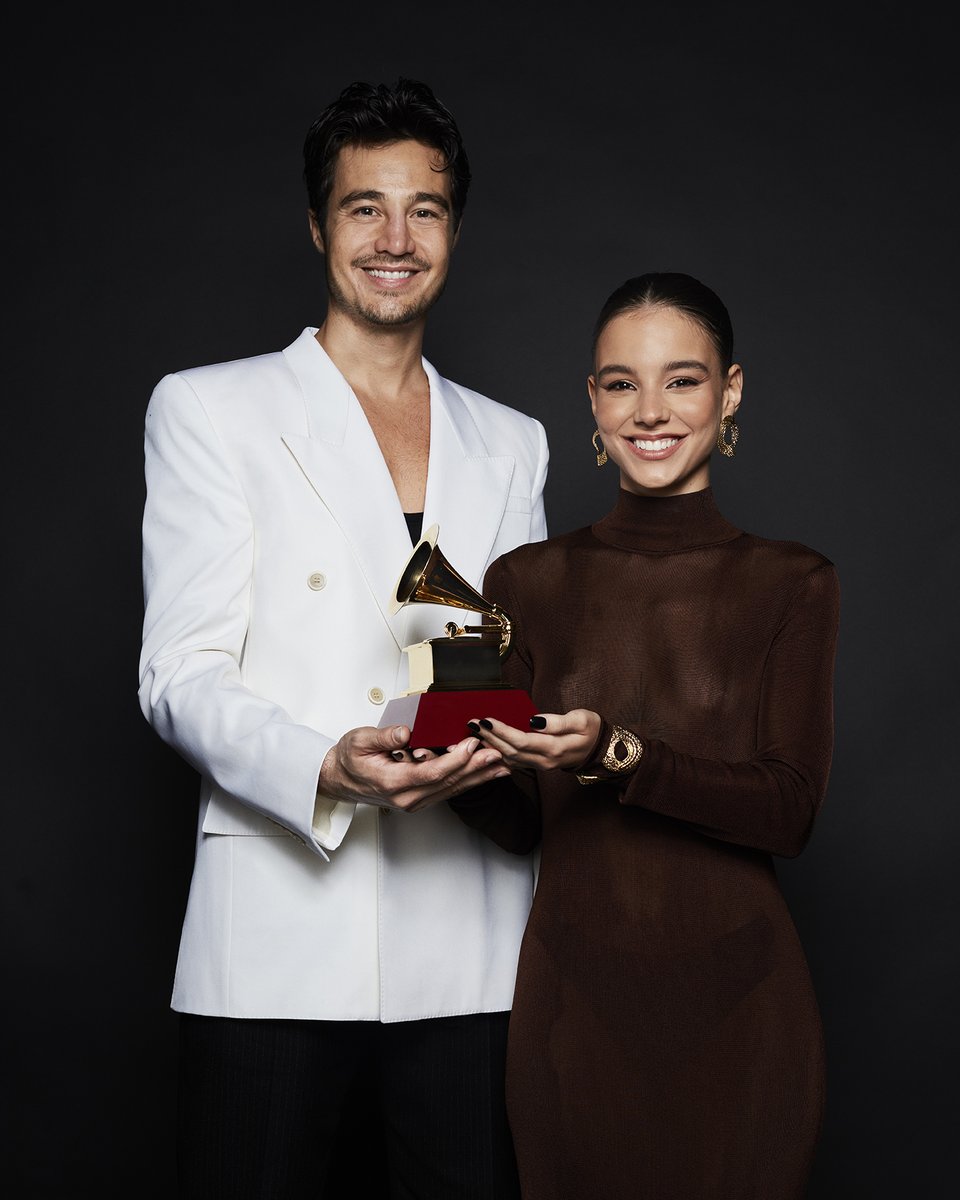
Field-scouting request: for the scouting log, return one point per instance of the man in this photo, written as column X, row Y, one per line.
column 341, row 918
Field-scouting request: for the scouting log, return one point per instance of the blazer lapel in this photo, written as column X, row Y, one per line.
column 467, row 492
column 466, row 495
column 342, row 460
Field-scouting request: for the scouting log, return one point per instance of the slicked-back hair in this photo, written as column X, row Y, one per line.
column 672, row 289
column 367, row 114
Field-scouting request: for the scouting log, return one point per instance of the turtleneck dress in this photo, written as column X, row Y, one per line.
column 665, row 1040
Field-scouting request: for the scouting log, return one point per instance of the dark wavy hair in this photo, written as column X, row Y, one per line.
column 367, row 114
column 672, row 289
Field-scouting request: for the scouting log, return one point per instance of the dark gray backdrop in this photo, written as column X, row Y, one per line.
column 798, row 160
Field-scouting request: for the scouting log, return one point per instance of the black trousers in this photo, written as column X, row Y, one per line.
column 290, row 1110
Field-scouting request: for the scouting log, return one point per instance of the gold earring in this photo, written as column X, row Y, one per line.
column 599, row 448
column 727, row 437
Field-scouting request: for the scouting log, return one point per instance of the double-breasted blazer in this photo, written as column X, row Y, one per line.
column 273, row 540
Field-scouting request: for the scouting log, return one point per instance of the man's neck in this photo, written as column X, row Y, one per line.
column 384, row 369
column 375, row 361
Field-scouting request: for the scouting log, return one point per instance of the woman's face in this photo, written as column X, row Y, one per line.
column 658, row 394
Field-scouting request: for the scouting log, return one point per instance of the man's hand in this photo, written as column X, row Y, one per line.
column 373, row 766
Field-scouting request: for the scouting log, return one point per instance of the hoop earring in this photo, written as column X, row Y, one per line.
column 599, row 448
column 727, row 437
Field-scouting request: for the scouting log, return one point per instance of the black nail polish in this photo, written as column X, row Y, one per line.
column 538, row 722
column 485, row 724
column 473, row 727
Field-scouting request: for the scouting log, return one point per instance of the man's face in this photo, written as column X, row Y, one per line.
column 389, row 233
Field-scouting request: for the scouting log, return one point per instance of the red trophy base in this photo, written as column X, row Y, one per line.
column 439, row 719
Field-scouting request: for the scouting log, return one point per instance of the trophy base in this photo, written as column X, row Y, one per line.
column 439, row 719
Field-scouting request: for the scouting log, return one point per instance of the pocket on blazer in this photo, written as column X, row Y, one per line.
column 224, row 815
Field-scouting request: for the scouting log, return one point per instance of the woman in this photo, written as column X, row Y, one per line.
column 665, row 1040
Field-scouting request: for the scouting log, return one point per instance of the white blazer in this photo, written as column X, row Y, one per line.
column 272, row 542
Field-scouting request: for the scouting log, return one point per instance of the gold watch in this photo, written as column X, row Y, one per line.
column 618, row 751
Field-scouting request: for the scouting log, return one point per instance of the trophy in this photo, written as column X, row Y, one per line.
column 454, row 677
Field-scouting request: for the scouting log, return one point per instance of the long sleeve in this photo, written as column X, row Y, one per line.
column 198, row 549
column 770, row 801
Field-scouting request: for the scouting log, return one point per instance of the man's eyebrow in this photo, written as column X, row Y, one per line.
column 370, row 194
column 359, row 194
column 432, row 198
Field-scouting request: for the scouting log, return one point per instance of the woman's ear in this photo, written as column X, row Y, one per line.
column 732, row 391
column 592, row 393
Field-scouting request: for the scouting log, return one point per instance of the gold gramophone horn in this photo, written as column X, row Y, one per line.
column 429, row 579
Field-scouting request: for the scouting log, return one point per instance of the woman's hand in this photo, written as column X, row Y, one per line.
column 556, row 741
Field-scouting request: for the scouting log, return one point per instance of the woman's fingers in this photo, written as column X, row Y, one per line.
column 555, row 740
column 496, row 734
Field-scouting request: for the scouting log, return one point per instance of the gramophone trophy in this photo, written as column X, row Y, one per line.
column 455, row 677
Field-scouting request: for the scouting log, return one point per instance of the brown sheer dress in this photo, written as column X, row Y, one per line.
column 665, row 1039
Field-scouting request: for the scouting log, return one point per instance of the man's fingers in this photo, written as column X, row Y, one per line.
column 369, row 739
column 378, row 766
column 445, row 775
column 464, row 760
column 391, row 737
column 459, row 756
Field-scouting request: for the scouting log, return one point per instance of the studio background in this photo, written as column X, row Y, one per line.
column 798, row 161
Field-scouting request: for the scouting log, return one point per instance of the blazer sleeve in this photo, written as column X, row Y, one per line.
column 198, row 544
column 769, row 802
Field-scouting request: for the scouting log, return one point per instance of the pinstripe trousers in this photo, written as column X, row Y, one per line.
column 266, row 1107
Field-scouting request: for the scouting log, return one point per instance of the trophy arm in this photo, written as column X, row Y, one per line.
column 503, row 629
column 506, row 629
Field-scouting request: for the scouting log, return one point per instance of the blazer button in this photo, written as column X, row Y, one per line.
column 376, row 695
column 317, row 582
